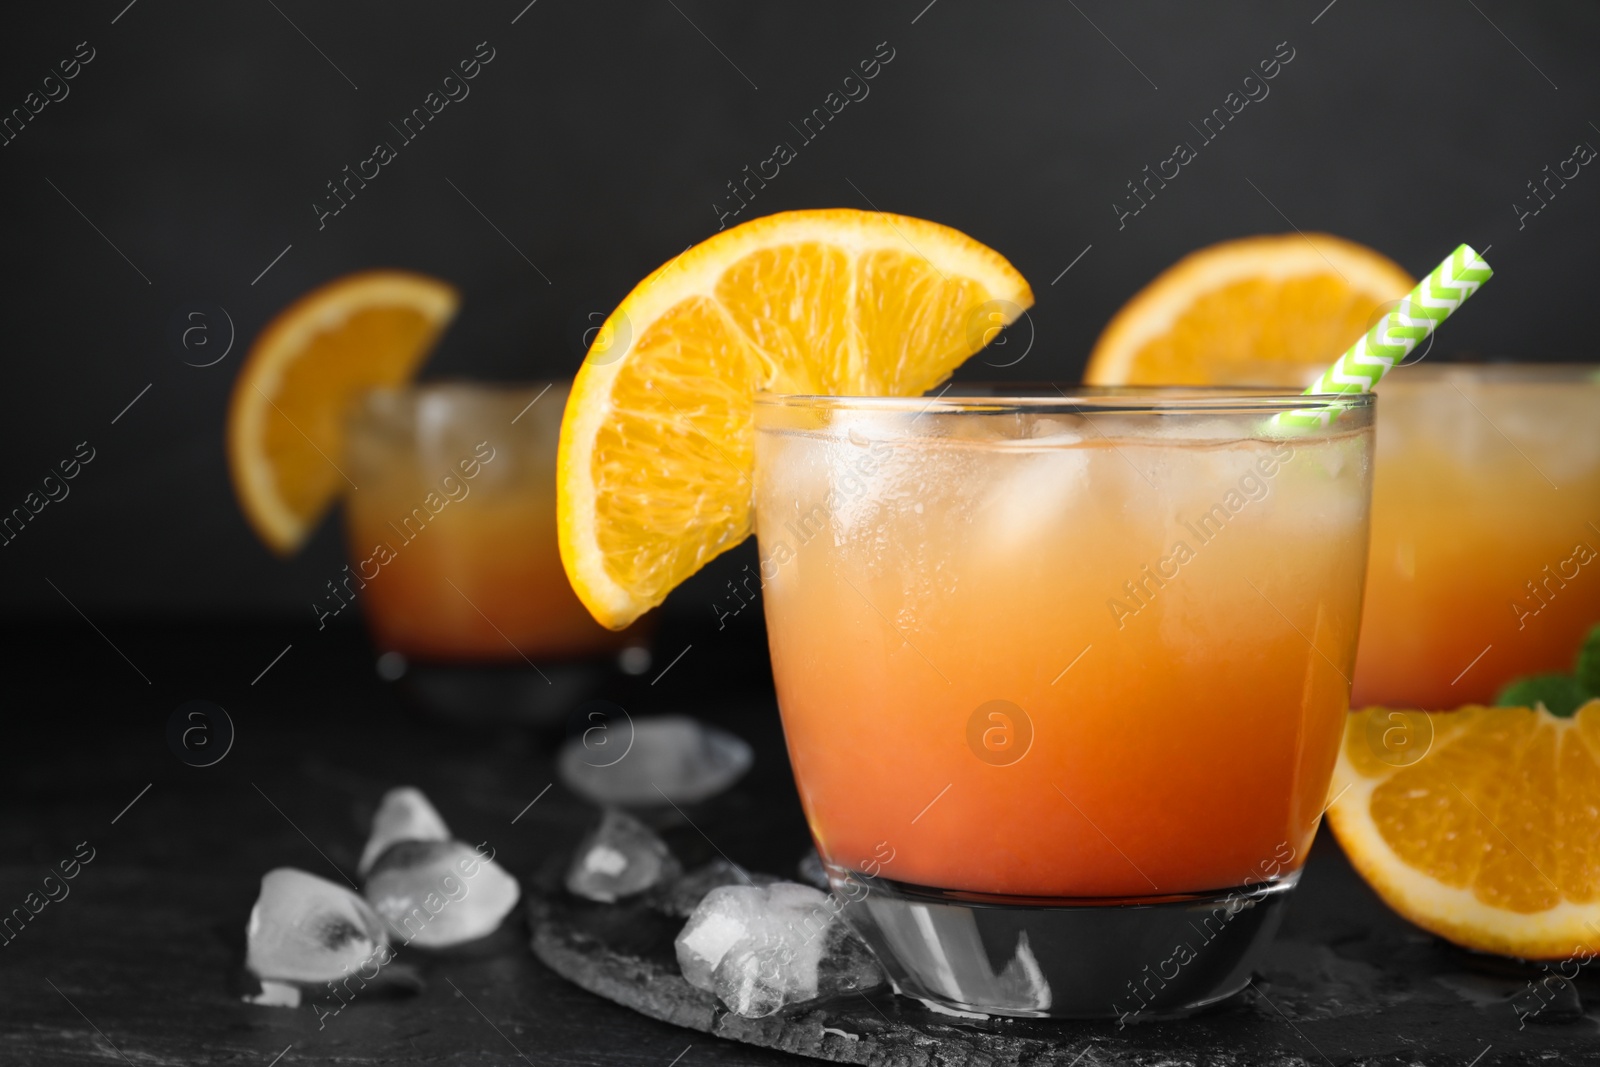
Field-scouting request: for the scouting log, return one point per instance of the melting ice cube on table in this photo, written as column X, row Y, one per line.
column 619, row 858
column 761, row 949
column 683, row 894
column 403, row 815
column 439, row 893
column 307, row 929
column 648, row 762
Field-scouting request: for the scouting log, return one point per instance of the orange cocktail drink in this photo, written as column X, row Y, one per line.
column 452, row 531
column 1064, row 651
column 1485, row 562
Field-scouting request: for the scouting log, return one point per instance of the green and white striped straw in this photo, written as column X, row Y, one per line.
column 1393, row 337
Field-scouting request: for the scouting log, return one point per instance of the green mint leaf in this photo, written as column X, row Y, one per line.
column 1559, row 693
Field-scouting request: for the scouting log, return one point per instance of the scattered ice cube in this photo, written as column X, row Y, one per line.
column 619, row 858
column 672, row 758
column 682, row 895
column 307, row 929
column 403, row 815
column 723, row 918
column 440, row 893
column 751, row 978
column 762, row 949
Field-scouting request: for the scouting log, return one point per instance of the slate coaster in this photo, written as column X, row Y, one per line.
column 1392, row 996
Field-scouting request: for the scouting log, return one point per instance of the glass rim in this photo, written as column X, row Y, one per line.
column 1488, row 370
column 472, row 386
column 1013, row 398
column 414, row 410
column 407, row 400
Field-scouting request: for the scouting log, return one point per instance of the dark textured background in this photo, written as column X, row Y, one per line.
column 597, row 142
column 187, row 158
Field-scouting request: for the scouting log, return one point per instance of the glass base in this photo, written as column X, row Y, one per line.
column 1131, row 959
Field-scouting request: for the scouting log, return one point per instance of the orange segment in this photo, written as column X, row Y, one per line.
column 917, row 323
column 1259, row 310
column 682, row 402
column 1488, row 832
column 657, row 445
column 286, row 417
column 809, row 332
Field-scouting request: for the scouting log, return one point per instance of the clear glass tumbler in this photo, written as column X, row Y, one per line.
column 1485, row 531
column 452, row 531
column 1062, row 678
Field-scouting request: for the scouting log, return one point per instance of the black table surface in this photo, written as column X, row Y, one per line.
column 141, row 962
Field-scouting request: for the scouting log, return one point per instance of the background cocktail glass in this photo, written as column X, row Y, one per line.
column 453, row 531
column 1485, row 562
column 1062, row 679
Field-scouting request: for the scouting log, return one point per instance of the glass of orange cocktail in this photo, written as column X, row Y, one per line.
column 452, row 534
column 1062, row 678
column 1485, row 562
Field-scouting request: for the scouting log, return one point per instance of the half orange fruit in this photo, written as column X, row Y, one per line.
column 286, row 417
column 1481, row 825
column 657, row 445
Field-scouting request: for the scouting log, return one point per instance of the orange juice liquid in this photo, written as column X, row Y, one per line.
column 453, row 528
column 1169, row 623
column 482, row 581
column 1485, row 562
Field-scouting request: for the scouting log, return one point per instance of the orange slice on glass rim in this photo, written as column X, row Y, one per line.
column 657, row 444
column 286, row 417
column 1255, row 311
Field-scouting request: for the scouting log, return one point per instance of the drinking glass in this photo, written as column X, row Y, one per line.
column 1485, row 531
column 452, row 534
column 1063, row 678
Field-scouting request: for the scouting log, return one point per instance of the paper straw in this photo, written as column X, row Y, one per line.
column 1393, row 337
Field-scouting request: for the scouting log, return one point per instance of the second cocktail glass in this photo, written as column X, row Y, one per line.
column 1485, row 530
column 1062, row 679
column 452, row 538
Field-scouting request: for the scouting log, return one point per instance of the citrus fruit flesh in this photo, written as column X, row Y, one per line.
column 657, row 444
column 1480, row 824
column 1271, row 310
column 286, row 418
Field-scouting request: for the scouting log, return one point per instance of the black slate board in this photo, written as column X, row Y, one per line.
column 1392, row 997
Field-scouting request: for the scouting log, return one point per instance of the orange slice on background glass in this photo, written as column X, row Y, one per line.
column 657, row 445
column 1481, row 825
column 1254, row 311
column 286, row 417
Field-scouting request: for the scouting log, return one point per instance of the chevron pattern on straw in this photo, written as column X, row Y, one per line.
column 1393, row 337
